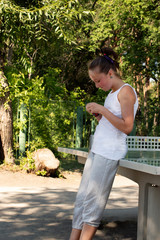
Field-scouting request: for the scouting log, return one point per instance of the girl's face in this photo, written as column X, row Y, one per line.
column 101, row 80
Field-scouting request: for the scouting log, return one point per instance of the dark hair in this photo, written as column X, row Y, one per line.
column 105, row 62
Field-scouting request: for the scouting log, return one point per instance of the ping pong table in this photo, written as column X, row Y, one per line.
column 142, row 165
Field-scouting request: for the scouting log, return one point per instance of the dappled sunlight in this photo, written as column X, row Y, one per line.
column 123, row 196
column 36, row 212
column 117, row 230
column 35, row 216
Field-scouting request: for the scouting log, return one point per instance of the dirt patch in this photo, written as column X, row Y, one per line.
column 22, row 179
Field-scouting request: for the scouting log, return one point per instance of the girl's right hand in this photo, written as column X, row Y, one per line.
column 99, row 117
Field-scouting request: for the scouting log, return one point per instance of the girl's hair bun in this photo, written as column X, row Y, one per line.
column 105, row 62
column 109, row 52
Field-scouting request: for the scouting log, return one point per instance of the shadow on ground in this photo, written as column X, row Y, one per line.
column 117, row 230
column 42, row 213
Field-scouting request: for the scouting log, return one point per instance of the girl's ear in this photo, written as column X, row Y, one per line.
column 110, row 73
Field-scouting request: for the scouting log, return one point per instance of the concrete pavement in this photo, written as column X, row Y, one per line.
column 42, row 209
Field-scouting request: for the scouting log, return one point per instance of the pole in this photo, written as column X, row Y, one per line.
column 79, row 127
column 23, row 129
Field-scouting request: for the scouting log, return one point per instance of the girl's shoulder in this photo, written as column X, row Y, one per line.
column 127, row 88
column 127, row 91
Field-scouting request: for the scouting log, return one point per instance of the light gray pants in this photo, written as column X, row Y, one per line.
column 94, row 190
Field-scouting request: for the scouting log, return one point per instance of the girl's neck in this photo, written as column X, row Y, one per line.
column 117, row 83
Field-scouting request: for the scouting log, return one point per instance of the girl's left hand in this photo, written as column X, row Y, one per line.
column 93, row 108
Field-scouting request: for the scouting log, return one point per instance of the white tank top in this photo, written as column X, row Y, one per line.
column 108, row 141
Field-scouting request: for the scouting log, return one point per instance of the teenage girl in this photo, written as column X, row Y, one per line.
column 116, row 119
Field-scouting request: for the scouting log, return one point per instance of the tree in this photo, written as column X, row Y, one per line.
column 132, row 28
column 29, row 30
column 6, row 124
column 6, row 128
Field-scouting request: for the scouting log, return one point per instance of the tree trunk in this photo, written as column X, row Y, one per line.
column 158, row 100
column 146, row 87
column 6, row 123
column 156, row 120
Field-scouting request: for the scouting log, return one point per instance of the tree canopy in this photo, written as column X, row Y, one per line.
column 45, row 46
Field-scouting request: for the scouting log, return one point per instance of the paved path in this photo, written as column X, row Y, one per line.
column 39, row 208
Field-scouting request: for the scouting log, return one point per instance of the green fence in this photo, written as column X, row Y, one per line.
column 51, row 124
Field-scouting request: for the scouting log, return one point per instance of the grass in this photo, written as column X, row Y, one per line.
column 71, row 164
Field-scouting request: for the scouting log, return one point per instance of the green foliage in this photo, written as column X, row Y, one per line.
column 132, row 28
column 22, row 88
column 51, row 109
column 3, row 90
column 52, row 123
column 27, row 163
column 45, row 46
column 41, row 173
column 53, row 87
